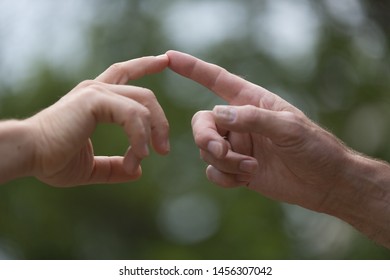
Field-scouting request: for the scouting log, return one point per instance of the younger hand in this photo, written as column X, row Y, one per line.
column 63, row 154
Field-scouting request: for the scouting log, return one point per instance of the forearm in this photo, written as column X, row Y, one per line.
column 16, row 150
column 363, row 198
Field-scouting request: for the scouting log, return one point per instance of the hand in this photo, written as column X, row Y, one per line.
column 261, row 140
column 63, row 153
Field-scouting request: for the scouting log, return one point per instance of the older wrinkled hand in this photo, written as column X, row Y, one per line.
column 261, row 141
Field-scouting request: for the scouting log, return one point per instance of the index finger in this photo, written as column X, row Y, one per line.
column 122, row 72
column 226, row 85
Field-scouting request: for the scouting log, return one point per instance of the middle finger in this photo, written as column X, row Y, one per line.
column 232, row 163
column 144, row 96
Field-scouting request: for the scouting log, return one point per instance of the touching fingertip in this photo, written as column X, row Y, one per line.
column 162, row 56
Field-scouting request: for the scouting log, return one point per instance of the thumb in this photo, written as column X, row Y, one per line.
column 282, row 127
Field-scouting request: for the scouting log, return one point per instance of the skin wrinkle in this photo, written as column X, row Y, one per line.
column 60, row 152
column 312, row 165
column 214, row 85
column 310, row 168
column 106, row 178
column 46, row 140
column 222, row 74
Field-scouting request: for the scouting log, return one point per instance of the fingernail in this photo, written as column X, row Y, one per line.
column 162, row 56
column 225, row 113
column 130, row 165
column 215, row 148
column 145, row 151
column 248, row 166
column 130, row 162
column 166, row 146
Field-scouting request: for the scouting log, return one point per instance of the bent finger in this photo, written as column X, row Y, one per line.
column 226, row 180
column 158, row 119
column 232, row 163
column 110, row 170
column 206, row 134
column 144, row 96
column 131, row 115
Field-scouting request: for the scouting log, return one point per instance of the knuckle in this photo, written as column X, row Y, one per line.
column 91, row 94
column 251, row 115
column 116, row 68
column 293, row 121
column 295, row 125
column 149, row 94
column 91, row 87
column 149, row 97
column 139, row 138
column 141, row 112
column 86, row 83
column 201, row 139
column 198, row 115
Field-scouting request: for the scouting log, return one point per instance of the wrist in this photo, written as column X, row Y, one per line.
column 16, row 146
column 362, row 197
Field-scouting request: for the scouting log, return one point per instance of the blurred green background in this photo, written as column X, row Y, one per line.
column 329, row 58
